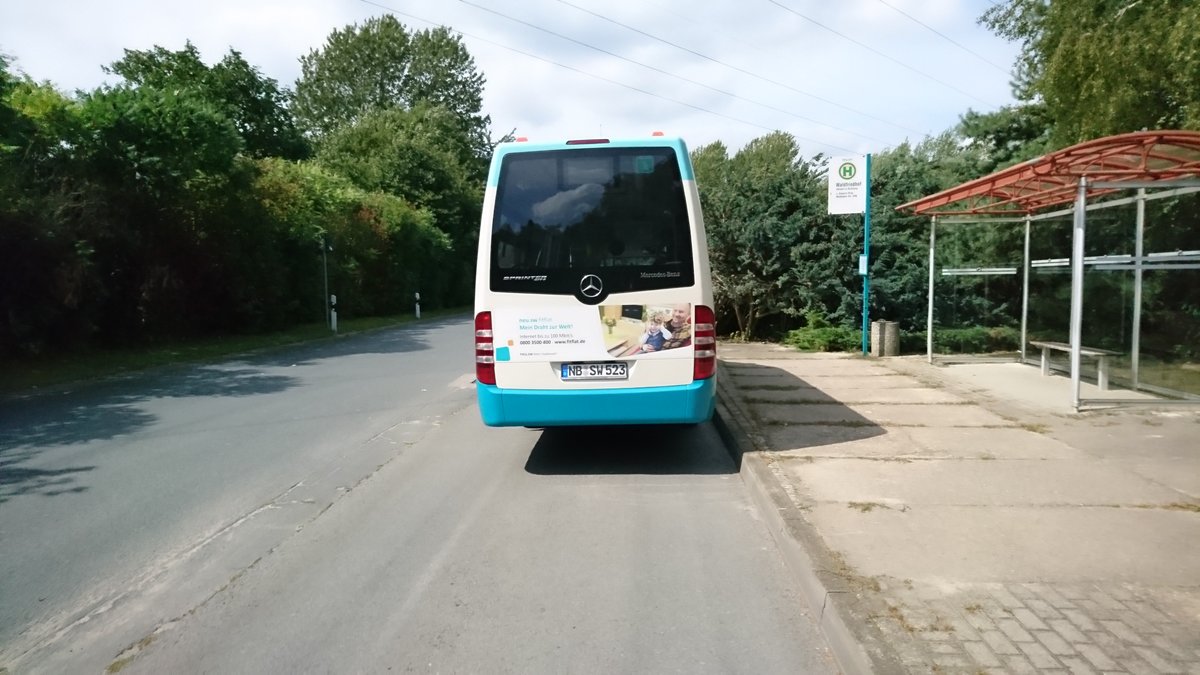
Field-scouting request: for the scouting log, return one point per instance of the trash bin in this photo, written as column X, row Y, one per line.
column 885, row 338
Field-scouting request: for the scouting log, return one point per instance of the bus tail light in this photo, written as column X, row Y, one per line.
column 485, row 353
column 704, row 338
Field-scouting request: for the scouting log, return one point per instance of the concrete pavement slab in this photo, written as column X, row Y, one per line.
column 966, row 520
column 942, row 415
column 786, row 394
column 863, row 395
column 854, row 381
column 914, row 442
column 844, row 367
column 949, row 544
column 845, row 372
column 1008, row 443
column 970, row 482
column 825, row 414
column 831, row 439
column 1012, row 381
column 767, row 379
column 1186, row 484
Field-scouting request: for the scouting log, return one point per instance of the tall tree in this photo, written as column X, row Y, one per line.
column 255, row 104
column 758, row 204
column 417, row 155
column 156, row 157
column 384, row 248
column 26, row 252
column 48, row 279
column 1106, row 66
column 899, row 241
column 777, row 254
column 9, row 132
column 1007, row 136
column 382, row 65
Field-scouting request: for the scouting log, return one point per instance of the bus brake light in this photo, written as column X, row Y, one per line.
column 704, row 334
column 485, row 360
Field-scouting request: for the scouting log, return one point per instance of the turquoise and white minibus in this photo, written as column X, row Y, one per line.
column 593, row 298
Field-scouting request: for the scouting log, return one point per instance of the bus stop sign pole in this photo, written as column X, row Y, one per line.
column 864, row 263
column 850, row 194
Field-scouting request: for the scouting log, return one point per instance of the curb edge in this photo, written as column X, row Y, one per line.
column 732, row 425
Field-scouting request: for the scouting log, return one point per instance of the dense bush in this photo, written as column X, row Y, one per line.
column 971, row 340
column 820, row 336
column 826, row 339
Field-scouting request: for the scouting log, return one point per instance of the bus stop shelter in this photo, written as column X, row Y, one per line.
column 1153, row 164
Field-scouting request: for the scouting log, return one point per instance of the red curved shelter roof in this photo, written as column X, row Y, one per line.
column 1052, row 180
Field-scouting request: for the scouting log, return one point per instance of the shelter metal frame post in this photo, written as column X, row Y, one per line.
column 929, row 317
column 1077, row 249
column 1138, row 252
column 1025, row 292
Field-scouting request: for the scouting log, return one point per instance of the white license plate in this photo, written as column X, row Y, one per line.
column 604, row 370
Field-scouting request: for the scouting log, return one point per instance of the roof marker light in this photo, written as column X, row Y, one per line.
column 657, row 133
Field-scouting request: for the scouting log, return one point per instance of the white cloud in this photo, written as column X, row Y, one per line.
column 568, row 207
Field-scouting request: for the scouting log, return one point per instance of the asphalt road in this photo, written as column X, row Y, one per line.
column 340, row 507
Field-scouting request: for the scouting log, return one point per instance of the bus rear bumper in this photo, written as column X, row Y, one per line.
column 683, row 404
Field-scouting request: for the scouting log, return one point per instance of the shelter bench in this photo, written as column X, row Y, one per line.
column 1101, row 356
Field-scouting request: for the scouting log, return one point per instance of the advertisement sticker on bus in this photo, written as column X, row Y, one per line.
column 592, row 333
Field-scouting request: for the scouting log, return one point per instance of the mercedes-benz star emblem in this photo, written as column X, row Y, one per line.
column 590, row 285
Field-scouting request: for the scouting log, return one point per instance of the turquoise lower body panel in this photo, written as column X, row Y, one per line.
column 683, row 404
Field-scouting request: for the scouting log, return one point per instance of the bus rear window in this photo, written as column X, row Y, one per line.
column 618, row 212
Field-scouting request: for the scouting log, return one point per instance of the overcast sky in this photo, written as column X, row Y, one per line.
column 840, row 75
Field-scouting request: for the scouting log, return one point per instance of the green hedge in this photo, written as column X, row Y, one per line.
column 974, row 340
column 825, row 339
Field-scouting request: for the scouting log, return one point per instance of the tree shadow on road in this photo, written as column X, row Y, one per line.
column 102, row 412
column 107, row 409
column 392, row 340
column 16, row 480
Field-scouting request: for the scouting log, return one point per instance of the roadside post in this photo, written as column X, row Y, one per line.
column 333, row 313
column 850, row 193
column 325, row 248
